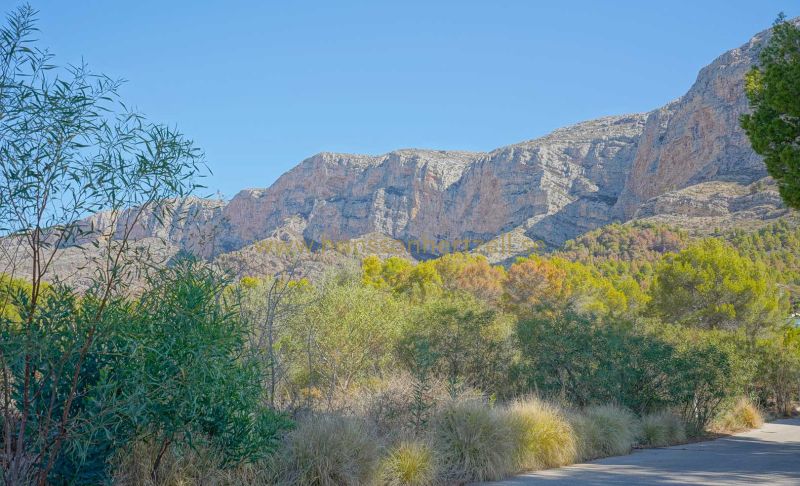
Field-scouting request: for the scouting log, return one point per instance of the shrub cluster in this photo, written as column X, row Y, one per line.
column 403, row 389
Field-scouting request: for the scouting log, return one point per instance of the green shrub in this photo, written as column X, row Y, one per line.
column 460, row 340
column 473, row 442
column 604, row 430
column 542, row 435
column 739, row 416
column 778, row 375
column 585, row 360
column 183, row 373
column 661, row 429
column 712, row 368
column 409, row 464
column 327, row 451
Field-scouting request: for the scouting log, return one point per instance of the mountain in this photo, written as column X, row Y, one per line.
column 687, row 163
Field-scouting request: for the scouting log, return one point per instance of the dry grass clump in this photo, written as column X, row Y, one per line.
column 409, row 463
column 740, row 416
column 389, row 404
column 327, row 451
column 542, row 435
column 662, row 429
column 604, row 430
column 466, row 440
column 473, row 441
column 395, row 408
column 179, row 467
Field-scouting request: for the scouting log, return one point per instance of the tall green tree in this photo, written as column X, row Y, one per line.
column 773, row 89
column 711, row 286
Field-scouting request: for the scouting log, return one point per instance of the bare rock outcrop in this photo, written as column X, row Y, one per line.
column 717, row 205
column 697, row 138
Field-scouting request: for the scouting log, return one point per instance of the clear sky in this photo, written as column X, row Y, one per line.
column 261, row 85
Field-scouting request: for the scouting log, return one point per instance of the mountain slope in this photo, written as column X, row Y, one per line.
column 697, row 138
column 688, row 163
column 551, row 189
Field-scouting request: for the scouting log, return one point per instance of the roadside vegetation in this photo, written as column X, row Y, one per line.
column 397, row 373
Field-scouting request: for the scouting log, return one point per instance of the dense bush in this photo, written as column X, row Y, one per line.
column 459, row 340
column 164, row 369
column 98, row 416
column 183, row 376
column 714, row 366
column 582, row 360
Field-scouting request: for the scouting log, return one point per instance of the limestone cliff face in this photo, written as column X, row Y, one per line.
column 554, row 187
column 438, row 195
column 430, row 195
column 687, row 162
column 345, row 196
column 697, row 138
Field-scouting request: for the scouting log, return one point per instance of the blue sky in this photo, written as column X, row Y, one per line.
column 261, row 85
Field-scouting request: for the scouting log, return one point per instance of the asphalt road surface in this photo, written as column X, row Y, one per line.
column 770, row 455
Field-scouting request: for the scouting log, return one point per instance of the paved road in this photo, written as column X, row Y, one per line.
column 770, row 455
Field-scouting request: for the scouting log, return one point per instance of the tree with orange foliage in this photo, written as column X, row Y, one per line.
column 472, row 274
column 535, row 283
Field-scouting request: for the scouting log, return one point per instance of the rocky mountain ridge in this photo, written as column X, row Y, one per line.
column 687, row 162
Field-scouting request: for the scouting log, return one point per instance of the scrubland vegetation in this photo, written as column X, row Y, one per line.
column 403, row 373
column 397, row 373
